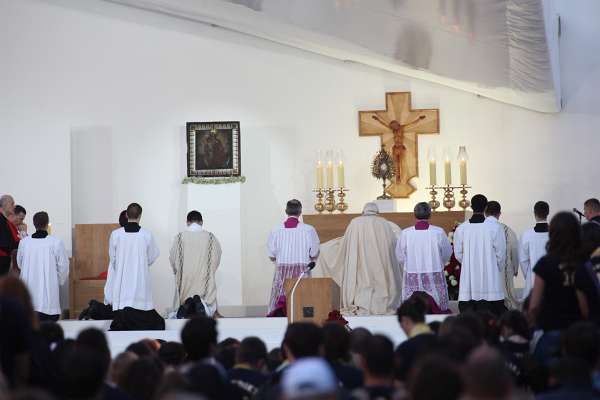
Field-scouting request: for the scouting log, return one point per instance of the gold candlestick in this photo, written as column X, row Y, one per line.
column 341, row 205
column 433, row 203
column 330, row 200
column 464, row 203
column 449, row 201
column 319, row 206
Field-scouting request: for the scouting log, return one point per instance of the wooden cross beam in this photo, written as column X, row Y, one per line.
column 398, row 126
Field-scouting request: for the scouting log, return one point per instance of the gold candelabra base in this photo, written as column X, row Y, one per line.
column 326, row 200
column 449, row 201
column 342, row 205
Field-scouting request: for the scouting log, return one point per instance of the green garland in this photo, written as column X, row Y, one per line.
column 213, row 181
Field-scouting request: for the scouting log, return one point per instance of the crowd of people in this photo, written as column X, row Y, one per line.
column 548, row 347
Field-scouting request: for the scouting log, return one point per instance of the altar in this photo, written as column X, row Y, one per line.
column 331, row 226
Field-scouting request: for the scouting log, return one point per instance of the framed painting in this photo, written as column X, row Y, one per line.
column 213, row 149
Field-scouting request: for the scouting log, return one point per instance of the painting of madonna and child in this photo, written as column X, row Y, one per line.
column 213, row 149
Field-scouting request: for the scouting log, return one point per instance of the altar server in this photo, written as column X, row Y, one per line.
column 424, row 250
column 533, row 244
column 291, row 246
column 44, row 268
column 510, row 268
column 480, row 245
column 591, row 210
column 195, row 257
column 132, row 250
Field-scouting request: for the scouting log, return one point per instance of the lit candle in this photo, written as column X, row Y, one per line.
column 462, row 162
column 319, row 174
column 448, row 171
column 340, row 174
column 330, row 183
column 432, row 173
column 49, row 229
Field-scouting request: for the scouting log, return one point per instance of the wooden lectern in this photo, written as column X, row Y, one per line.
column 314, row 299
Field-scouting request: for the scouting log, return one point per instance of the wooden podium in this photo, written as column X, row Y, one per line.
column 314, row 299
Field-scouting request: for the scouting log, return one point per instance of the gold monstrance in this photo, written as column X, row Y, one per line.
column 383, row 168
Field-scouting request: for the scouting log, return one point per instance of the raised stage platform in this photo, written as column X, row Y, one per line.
column 270, row 330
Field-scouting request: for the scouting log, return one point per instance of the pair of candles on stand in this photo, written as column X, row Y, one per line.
column 328, row 168
column 449, row 201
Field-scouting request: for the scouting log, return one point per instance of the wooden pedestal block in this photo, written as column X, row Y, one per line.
column 314, row 299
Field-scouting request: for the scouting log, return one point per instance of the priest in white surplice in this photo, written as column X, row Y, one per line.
column 363, row 263
column 195, row 257
column 424, row 250
column 132, row 250
column 291, row 246
column 511, row 260
column 480, row 246
column 533, row 244
column 44, row 268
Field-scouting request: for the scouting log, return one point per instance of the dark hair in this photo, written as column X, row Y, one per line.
column 205, row 380
column 581, row 341
column 199, row 337
column 422, row 210
column 478, row 203
column 487, row 376
column 20, row 210
column 80, row 373
column 52, row 332
column 134, row 211
column 541, row 209
column 564, row 241
column 303, row 339
column 251, row 351
column 141, row 349
column 172, row 353
column 493, row 208
column 293, row 208
column 413, row 308
column 226, row 351
column 123, row 218
column 141, row 380
column 358, row 340
column 274, row 359
column 336, row 342
column 379, row 356
column 515, row 321
column 194, row 216
column 590, row 238
column 95, row 340
column 593, row 204
column 435, row 377
column 41, row 220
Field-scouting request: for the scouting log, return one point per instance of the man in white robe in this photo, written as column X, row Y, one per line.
column 44, row 268
column 109, row 277
column 195, row 257
column 363, row 263
column 132, row 250
column 424, row 250
column 291, row 246
column 480, row 246
column 511, row 260
column 533, row 245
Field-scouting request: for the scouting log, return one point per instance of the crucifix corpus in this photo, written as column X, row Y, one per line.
column 398, row 126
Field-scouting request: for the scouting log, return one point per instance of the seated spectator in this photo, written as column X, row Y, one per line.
column 435, row 378
column 172, row 354
column 336, row 344
column 142, row 379
column 119, row 365
column 248, row 372
column 377, row 365
column 486, row 376
column 514, row 344
column 225, row 352
column 421, row 340
column 309, row 378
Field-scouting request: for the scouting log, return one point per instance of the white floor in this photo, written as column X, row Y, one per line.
column 270, row 330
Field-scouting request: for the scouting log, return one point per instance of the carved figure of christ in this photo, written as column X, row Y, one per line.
column 398, row 126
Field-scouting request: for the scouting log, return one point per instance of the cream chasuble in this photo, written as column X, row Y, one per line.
column 511, row 268
column 131, row 254
column 44, row 267
column 480, row 246
column 424, row 253
column 195, row 257
column 363, row 263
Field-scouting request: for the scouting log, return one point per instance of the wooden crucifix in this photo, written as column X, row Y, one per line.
column 398, row 126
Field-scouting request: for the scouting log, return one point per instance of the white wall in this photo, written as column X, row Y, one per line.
column 121, row 83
